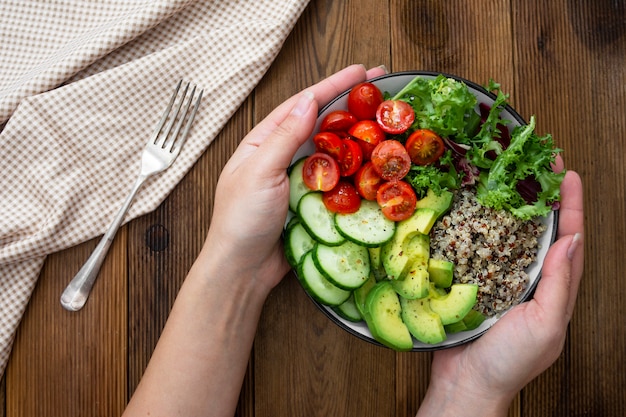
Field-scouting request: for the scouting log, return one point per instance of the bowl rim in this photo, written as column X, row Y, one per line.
column 529, row 291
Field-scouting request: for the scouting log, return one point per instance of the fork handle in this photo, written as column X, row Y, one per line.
column 76, row 293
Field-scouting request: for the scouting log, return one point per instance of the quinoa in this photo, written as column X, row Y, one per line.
column 491, row 248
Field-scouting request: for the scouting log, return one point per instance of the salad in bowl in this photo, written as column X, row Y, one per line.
column 421, row 209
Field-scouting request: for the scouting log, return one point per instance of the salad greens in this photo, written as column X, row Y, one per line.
column 511, row 171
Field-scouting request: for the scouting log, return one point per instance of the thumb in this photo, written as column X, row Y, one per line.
column 277, row 150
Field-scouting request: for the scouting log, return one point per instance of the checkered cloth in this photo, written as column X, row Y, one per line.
column 82, row 84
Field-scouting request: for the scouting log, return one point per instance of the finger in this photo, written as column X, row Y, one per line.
column 554, row 291
column 324, row 91
column 558, row 165
column 571, row 206
column 277, row 150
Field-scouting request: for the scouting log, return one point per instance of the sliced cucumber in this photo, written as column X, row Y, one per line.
column 368, row 226
column 347, row 265
column 297, row 187
column 318, row 221
column 297, row 243
column 317, row 286
column 348, row 310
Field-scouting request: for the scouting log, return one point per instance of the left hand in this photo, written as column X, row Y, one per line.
column 252, row 195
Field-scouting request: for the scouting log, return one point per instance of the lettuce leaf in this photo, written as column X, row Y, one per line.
column 529, row 156
column 441, row 104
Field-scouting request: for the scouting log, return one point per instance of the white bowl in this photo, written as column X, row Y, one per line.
column 393, row 83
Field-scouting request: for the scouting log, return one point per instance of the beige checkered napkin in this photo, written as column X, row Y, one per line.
column 70, row 154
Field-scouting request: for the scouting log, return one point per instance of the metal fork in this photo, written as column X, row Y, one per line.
column 160, row 152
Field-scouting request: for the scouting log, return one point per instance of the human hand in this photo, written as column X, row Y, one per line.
column 482, row 377
column 252, row 195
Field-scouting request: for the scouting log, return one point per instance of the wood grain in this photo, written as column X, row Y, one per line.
column 561, row 61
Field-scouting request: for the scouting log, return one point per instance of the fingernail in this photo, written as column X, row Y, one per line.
column 571, row 251
column 384, row 68
column 303, row 103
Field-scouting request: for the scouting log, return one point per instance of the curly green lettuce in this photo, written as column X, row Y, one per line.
column 529, row 157
column 441, row 104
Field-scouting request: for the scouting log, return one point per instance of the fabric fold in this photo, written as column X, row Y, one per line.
column 70, row 154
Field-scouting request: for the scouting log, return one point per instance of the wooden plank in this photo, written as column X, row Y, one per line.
column 449, row 37
column 305, row 365
column 77, row 355
column 571, row 74
column 163, row 245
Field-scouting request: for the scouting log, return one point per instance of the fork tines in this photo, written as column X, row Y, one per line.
column 166, row 138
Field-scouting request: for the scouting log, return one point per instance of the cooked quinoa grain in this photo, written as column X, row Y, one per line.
column 489, row 248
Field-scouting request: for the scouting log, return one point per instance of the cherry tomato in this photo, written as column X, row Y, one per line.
column 329, row 143
column 366, row 148
column 363, row 100
column 351, row 159
column 395, row 116
column 368, row 131
column 425, row 147
column 337, row 121
column 391, row 160
column 320, row 172
column 397, row 200
column 342, row 199
column 367, row 181
column 369, row 134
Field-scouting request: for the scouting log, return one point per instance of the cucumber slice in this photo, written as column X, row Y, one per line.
column 318, row 221
column 297, row 243
column 297, row 188
column 317, row 286
column 348, row 310
column 368, row 226
column 347, row 265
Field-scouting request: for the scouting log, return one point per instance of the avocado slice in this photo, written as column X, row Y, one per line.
column 441, row 202
column 441, row 272
column 384, row 320
column 453, row 306
column 424, row 324
column 395, row 254
column 415, row 284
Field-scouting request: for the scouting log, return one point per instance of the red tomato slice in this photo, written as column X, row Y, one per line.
column 366, row 148
column 342, row 199
column 397, row 200
column 395, row 116
column 391, row 160
column 368, row 131
column 320, row 172
column 363, row 100
column 329, row 143
column 367, row 181
column 425, row 147
column 351, row 159
column 369, row 134
column 337, row 121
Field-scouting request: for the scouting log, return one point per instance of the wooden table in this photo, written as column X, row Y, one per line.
column 563, row 61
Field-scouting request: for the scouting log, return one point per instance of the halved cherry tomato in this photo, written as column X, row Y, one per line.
column 391, row 160
column 320, row 172
column 351, row 159
column 425, row 147
column 329, row 143
column 363, row 100
column 369, row 134
column 337, row 121
column 342, row 199
column 367, row 181
column 395, row 116
column 368, row 131
column 397, row 200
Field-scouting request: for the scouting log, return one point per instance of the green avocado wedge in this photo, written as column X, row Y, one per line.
column 384, row 320
column 455, row 305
